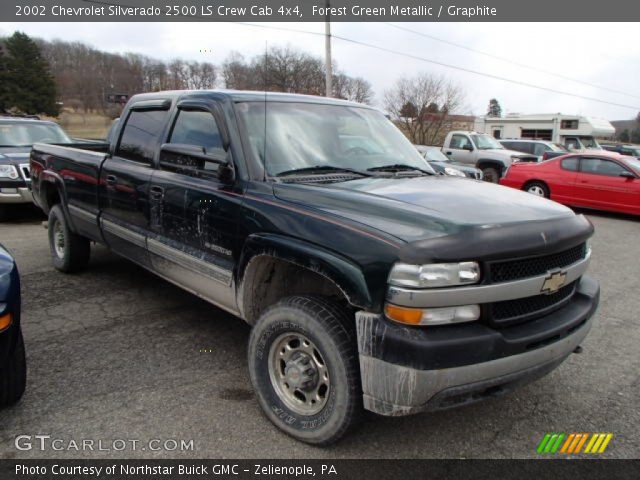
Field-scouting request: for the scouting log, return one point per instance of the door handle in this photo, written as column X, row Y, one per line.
column 112, row 179
column 156, row 192
column 448, row 153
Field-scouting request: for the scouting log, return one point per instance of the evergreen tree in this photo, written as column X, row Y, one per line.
column 25, row 81
column 495, row 110
column 635, row 136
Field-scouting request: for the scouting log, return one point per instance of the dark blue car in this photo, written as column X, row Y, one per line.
column 13, row 367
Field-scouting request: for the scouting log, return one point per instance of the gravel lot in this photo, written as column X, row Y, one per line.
column 117, row 353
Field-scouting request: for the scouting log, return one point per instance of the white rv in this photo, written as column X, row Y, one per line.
column 573, row 131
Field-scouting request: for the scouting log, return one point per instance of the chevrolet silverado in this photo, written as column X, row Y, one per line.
column 369, row 281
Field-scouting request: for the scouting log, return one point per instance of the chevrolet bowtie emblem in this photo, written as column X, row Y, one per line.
column 553, row 282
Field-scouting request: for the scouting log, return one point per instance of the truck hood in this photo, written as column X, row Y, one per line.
column 417, row 208
column 14, row 158
column 503, row 153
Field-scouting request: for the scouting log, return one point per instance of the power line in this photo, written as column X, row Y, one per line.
column 507, row 60
column 488, row 75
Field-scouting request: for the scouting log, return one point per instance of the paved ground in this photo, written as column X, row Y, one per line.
column 117, row 353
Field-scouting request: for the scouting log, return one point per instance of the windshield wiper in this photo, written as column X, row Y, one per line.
column 397, row 167
column 320, row 169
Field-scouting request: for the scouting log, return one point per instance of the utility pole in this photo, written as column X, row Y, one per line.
column 327, row 54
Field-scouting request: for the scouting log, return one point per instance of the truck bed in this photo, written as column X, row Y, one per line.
column 76, row 169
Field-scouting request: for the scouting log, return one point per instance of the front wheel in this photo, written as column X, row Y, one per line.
column 13, row 375
column 70, row 252
column 490, row 174
column 303, row 366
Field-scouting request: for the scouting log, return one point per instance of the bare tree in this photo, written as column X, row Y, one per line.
column 425, row 124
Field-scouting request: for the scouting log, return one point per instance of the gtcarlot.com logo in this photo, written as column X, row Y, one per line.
column 574, row 443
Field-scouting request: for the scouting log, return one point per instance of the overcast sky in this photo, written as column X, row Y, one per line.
column 602, row 54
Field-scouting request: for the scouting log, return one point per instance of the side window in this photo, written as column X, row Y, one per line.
column 140, row 135
column 195, row 127
column 510, row 145
column 459, row 141
column 600, row 166
column 570, row 164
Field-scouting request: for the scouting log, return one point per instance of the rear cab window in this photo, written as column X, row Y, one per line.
column 140, row 135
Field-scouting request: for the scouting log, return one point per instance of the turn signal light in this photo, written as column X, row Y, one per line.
column 432, row 316
column 5, row 321
column 411, row 316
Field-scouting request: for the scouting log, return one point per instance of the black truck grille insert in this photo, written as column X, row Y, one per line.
column 509, row 270
column 524, row 309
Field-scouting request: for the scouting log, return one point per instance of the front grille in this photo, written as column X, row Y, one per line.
column 25, row 171
column 509, row 270
column 524, row 309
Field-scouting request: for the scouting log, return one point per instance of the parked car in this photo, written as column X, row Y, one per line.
column 369, row 281
column 444, row 165
column 13, row 366
column 17, row 135
column 482, row 151
column 534, row 147
column 602, row 181
column 630, row 150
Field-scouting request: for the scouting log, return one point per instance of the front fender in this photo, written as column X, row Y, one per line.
column 346, row 275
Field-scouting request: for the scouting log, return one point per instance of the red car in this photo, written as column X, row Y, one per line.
column 602, row 181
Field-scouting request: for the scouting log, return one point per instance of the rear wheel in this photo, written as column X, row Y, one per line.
column 303, row 366
column 3, row 213
column 490, row 174
column 13, row 375
column 538, row 189
column 70, row 252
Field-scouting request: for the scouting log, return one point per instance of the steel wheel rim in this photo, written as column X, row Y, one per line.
column 58, row 239
column 299, row 374
column 536, row 190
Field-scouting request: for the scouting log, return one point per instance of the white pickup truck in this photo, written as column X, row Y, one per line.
column 482, row 151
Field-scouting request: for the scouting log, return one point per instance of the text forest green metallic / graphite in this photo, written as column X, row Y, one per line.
column 207, row 233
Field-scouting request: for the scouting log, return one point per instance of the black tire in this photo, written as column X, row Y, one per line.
column 13, row 375
column 69, row 252
column 3, row 213
column 490, row 174
column 331, row 332
column 539, row 189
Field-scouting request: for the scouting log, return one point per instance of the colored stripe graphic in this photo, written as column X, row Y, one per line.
column 572, row 443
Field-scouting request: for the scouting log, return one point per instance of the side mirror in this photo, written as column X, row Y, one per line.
column 627, row 175
column 468, row 147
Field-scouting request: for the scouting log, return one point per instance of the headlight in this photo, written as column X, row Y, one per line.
column 454, row 172
column 432, row 316
column 434, row 274
column 8, row 171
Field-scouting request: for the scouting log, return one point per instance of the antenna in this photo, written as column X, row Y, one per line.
column 264, row 79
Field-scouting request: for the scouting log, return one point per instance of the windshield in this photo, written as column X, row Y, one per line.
column 434, row 155
column 590, row 142
column 556, row 147
column 304, row 135
column 25, row 134
column 485, row 142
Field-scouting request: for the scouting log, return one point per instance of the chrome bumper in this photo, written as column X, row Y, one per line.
column 16, row 195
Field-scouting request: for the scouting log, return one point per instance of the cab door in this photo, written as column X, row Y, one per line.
column 460, row 149
column 194, row 205
column 125, row 176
